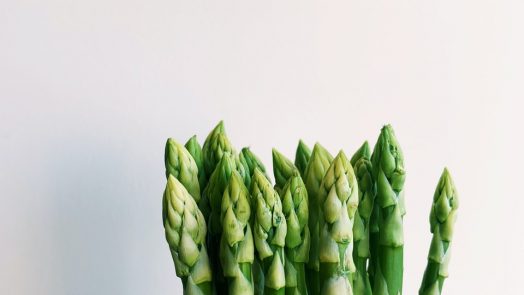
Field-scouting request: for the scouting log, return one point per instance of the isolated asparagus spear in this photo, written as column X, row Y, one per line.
column 298, row 240
column 236, row 244
column 185, row 230
column 441, row 219
column 338, row 202
column 366, row 191
column 269, row 231
column 182, row 166
column 193, row 147
column 389, row 175
column 315, row 171
column 302, row 156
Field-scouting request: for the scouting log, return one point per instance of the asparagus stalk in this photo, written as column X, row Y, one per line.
column 441, row 219
column 338, row 202
column 215, row 146
column 315, row 171
column 283, row 169
column 366, row 191
column 236, row 244
column 193, row 147
column 182, row 166
column 250, row 161
column 295, row 209
column 270, row 229
column 302, row 156
column 389, row 175
column 185, row 230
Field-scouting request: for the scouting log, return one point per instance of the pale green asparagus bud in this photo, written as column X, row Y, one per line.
column 236, row 244
column 269, row 231
column 182, row 166
column 338, row 200
column 389, row 175
column 315, row 171
column 441, row 219
column 366, row 192
column 302, row 156
column 215, row 146
column 185, row 230
column 193, row 147
column 298, row 240
column 283, row 169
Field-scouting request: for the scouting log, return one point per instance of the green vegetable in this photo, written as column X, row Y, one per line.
column 302, row 156
column 236, row 244
column 441, row 219
column 389, row 175
column 338, row 200
column 250, row 161
column 193, row 147
column 270, row 229
column 283, row 169
column 366, row 193
column 298, row 240
column 185, row 230
column 215, row 146
column 182, row 166
column 315, row 171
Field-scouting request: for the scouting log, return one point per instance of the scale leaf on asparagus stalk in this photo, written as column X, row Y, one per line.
column 389, row 175
column 316, row 169
column 302, row 156
column 236, row 244
column 185, row 230
column 366, row 191
column 441, row 219
column 182, row 166
column 338, row 202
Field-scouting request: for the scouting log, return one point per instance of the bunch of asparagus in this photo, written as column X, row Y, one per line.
column 329, row 225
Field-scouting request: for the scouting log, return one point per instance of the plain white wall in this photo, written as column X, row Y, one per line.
column 90, row 90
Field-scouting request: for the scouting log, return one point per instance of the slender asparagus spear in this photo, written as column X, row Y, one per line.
column 215, row 146
column 389, row 175
column 366, row 192
column 315, row 171
column 441, row 219
column 236, row 244
column 185, row 230
column 283, row 169
column 295, row 208
column 182, row 166
column 270, row 229
column 338, row 202
column 302, row 156
column 193, row 147
column 250, row 161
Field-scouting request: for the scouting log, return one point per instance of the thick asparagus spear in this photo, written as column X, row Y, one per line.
column 185, row 230
column 236, row 244
column 270, row 229
column 315, row 171
column 182, row 166
column 298, row 240
column 389, row 175
column 441, row 219
column 193, row 147
column 338, row 202
column 366, row 193
column 283, row 169
column 302, row 156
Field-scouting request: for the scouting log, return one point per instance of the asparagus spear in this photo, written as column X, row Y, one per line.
column 215, row 146
column 185, row 230
column 270, row 229
column 315, row 171
column 302, row 156
column 250, row 161
column 389, row 175
column 283, row 169
column 338, row 202
column 236, row 244
column 182, row 166
column 441, row 219
column 366, row 191
column 295, row 209
column 193, row 147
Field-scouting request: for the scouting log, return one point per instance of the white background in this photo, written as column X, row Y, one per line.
column 90, row 90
